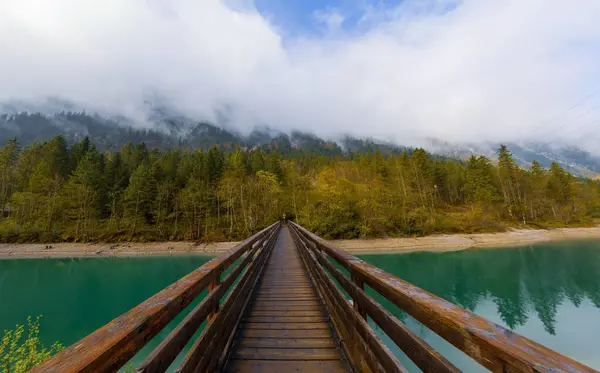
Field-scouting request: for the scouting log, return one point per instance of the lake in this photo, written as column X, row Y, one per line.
column 548, row 292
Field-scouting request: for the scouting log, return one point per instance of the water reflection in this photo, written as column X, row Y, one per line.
column 517, row 280
column 549, row 293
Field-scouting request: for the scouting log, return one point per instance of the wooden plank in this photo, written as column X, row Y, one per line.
column 286, row 297
column 308, row 296
column 268, row 366
column 286, row 293
column 306, row 354
column 286, row 278
column 286, row 319
column 291, row 302
column 276, row 270
column 288, row 305
column 297, row 287
column 286, row 326
column 286, row 343
column 283, row 313
column 283, row 334
column 287, row 290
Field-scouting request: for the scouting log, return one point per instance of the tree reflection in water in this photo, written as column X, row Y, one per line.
column 518, row 280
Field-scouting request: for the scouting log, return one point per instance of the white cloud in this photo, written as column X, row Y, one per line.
column 331, row 18
column 461, row 71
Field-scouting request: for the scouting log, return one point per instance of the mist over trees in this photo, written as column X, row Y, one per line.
column 50, row 191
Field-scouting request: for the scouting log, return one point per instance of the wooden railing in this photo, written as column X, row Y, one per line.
column 113, row 345
column 340, row 280
column 494, row 347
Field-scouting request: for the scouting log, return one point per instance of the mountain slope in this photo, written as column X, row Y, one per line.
column 165, row 130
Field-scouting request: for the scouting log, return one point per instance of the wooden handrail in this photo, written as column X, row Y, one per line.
column 365, row 351
column 494, row 347
column 209, row 349
column 110, row 347
column 419, row 351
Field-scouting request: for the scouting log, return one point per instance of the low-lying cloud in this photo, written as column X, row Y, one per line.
column 471, row 70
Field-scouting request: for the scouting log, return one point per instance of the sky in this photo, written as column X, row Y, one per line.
column 395, row 70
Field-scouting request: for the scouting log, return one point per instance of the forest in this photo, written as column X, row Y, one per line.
column 55, row 191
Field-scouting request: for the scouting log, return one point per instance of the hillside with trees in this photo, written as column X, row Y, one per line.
column 53, row 191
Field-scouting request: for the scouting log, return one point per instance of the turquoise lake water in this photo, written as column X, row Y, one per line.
column 549, row 293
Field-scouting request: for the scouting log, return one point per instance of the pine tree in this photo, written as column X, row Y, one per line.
column 510, row 183
column 139, row 196
column 479, row 186
column 8, row 160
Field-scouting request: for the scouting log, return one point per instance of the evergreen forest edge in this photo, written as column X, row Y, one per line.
column 52, row 191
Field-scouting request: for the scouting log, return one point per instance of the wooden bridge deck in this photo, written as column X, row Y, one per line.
column 286, row 327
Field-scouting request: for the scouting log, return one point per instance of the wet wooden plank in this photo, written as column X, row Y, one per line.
column 286, row 284
column 285, row 326
column 286, row 343
column 314, row 303
column 280, row 313
column 288, row 290
column 285, row 296
column 267, row 366
column 284, row 334
column 286, row 319
column 262, row 306
column 286, row 279
column 306, row 354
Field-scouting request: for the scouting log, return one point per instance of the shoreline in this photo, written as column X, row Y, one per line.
column 434, row 243
column 460, row 241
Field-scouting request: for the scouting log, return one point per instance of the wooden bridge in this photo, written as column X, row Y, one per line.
column 285, row 300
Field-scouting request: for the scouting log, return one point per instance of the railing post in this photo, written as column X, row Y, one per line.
column 361, row 284
column 216, row 281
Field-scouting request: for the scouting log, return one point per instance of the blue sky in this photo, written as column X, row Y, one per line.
column 298, row 17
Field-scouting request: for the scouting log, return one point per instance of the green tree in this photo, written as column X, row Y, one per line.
column 560, row 192
column 139, row 196
column 480, row 187
column 509, row 175
column 8, row 160
column 81, row 195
